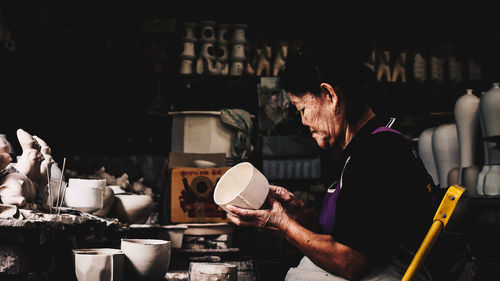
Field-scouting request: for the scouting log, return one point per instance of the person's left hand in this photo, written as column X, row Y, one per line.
column 275, row 219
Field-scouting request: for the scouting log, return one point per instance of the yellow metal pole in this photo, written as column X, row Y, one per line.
column 441, row 218
column 423, row 250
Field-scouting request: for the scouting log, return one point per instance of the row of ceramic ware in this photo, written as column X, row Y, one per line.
column 94, row 196
column 139, row 259
column 450, row 151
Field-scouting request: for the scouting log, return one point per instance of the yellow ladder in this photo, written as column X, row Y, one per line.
column 440, row 220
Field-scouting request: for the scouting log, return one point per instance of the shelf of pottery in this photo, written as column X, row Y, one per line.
column 467, row 151
column 223, row 49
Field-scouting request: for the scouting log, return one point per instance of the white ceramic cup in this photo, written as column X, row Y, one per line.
column 146, row 259
column 99, row 264
column 243, row 186
column 86, row 195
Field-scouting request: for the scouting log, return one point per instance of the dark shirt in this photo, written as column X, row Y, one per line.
column 384, row 201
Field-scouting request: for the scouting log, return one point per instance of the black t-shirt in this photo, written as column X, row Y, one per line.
column 385, row 199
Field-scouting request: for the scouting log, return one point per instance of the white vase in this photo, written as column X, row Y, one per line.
column 489, row 110
column 492, row 181
column 480, row 179
column 207, row 31
column 467, row 119
column 446, row 152
column 426, row 153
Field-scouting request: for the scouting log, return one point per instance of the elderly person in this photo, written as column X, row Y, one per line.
column 377, row 212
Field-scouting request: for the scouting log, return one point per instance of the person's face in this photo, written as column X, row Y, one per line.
column 320, row 114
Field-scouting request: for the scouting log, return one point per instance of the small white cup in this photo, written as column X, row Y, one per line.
column 243, row 186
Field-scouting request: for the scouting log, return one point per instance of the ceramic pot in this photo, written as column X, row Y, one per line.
column 489, row 110
column 468, row 179
column 173, row 233
column 467, row 119
column 207, row 31
column 446, row 153
column 492, row 181
column 426, row 153
column 132, row 208
column 480, row 179
column 107, row 204
column 146, row 259
column 239, row 35
column 99, row 264
column 85, row 195
column 201, row 271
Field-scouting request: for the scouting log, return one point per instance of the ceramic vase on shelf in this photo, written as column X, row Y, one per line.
column 467, row 119
column 489, row 110
column 426, row 153
column 446, row 152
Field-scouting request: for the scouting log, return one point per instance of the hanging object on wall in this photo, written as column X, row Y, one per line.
column 399, row 68
column 437, row 69
column 383, row 67
column 474, row 71
column 264, row 62
column 188, row 54
column 281, row 54
column 456, row 70
column 419, row 68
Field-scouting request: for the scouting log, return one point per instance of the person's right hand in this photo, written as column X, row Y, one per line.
column 293, row 205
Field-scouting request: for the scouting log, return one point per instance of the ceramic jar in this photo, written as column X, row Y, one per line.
column 426, row 153
column 446, row 152
column 99, row 264
column 489, row 110
column 132, row 208
column 85, row 195
column 147, row 259
column 467, row 119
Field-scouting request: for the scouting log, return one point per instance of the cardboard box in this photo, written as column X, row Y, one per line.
column 192, row 191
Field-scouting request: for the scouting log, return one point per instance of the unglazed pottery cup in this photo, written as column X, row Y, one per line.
column 243, row 186
column 146, row 259
column 86, row 195
column 99, row 264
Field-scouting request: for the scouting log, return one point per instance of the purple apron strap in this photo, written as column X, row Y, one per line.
column 327, row 216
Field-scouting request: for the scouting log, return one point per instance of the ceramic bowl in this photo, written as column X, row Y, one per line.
column 146, row 259
column 132, row 208
column 86, row 195
column 173, row 233
column 99, row 264
column 242, row 186
column 204, row 164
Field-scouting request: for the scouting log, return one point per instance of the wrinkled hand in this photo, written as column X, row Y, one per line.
column 289, row 201
column 274, row 219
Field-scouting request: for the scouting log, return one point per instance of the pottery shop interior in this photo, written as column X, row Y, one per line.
column 161, row 142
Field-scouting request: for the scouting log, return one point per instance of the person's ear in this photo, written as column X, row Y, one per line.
column 331, row 94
